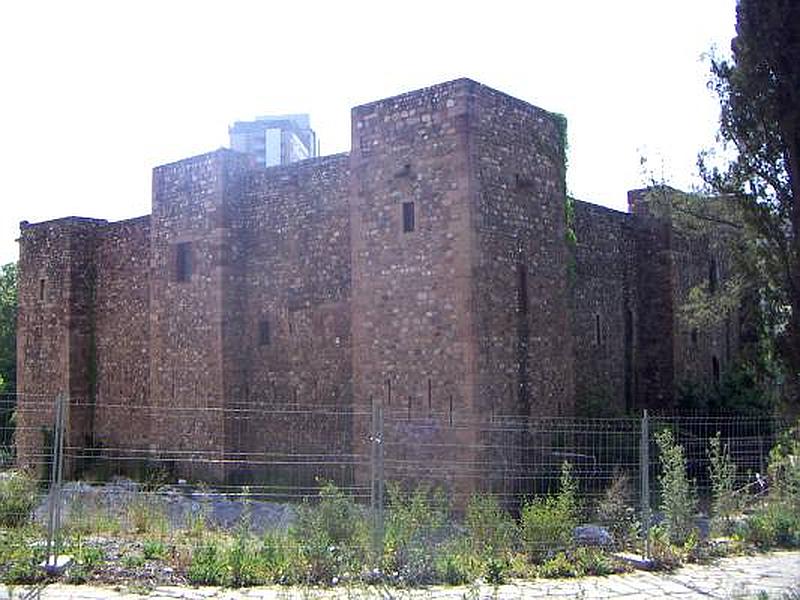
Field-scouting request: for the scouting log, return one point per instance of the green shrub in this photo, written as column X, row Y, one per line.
column 616, row 513
column 559, row 565
column 784, row 466
column 416, row 525
column 663, row 552
column 134, row 560
column 547, row 523
column 593, row 561
column 496, row 570
column 280, row 558
column 491, row 531
column 18, row 496
column 678, row 499
column 774, row 523
column 154, row 550
column 77, row 574
column 207, row 566
column 145, row 516
column 722, row 474
column 455, row 564
column 333, row 534
column 87, row 556
column 243, row 564
column 20, row 557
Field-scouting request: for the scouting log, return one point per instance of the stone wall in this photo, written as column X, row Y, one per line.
column 55, row 333
column 258, row 314
column 122, row 341
column 672, row 256
column 413, row 338
column 295, row 352
column 603, row 310
column 193, row 258
column 520, row 277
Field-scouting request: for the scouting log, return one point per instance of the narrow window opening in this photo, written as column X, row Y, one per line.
column 715, row 369
column 408, row 217
column 183, row 262
column 263, row 333
column 628, row 357
column 712, row 276
column 522, row 289
column 728, row 338
column 41, row 289
column 597, row 332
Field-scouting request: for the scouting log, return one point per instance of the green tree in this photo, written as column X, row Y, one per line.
column 8, row 349
column 759, row 93
column 8, row 327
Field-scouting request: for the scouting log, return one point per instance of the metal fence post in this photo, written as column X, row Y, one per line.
column 644, row 474
column 376, row 493
column 56, row 479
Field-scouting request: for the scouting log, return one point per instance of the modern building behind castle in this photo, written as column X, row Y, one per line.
column 277, row 140
column 430, row 265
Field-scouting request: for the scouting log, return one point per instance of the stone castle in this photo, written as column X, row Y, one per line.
column 430, row 267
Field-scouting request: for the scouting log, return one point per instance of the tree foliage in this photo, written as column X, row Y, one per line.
column 759, row 94
column 8, row 327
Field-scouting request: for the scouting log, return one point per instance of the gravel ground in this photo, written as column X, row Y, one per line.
column 178, row 503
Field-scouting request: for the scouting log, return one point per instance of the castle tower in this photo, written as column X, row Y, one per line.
column 194, row 296
column 55, row 334
column 459, row 269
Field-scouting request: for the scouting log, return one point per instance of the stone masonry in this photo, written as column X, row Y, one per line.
column 428, row 270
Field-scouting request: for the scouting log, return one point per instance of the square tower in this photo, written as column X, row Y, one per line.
column 460, row 291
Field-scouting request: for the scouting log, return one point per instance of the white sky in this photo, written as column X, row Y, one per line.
column 93, row 95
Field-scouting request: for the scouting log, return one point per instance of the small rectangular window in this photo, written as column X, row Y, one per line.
column 713, row 276
column 41, row 289
column 408, row 217
column 183, row 261
column 522, row 289
column 598, row 338
column 263, row 333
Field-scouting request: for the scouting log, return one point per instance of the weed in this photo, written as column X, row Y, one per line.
column 243, row 562
column 415, row 527
column 784, row 465
column 615, row 511
column 548, row 522
column 20, row 557
column 559, row 565
column 455, row 567
column 496, row 570
column 333, row 534
column 144, row 516
column 490, row 529
column 154, row 550
column 78, row 574
column 208, row 565
column 280, row 558
column 18, row 496
column 133, row 560
column 86, row 556
column 722, row 475
column 593, row 561
column 86, row 516
column 678, row 499
column 664, row 553
column 774, row 523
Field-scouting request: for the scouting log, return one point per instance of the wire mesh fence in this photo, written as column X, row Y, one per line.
column 212, row 465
